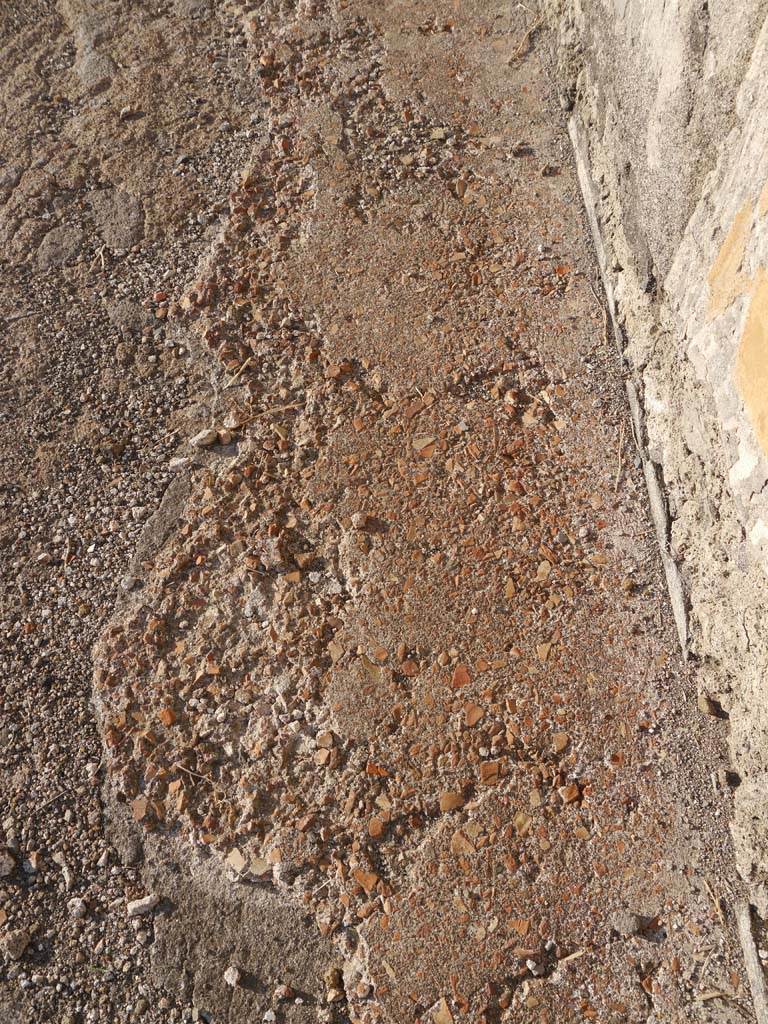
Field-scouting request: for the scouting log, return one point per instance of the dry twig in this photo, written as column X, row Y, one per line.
column 536, row 24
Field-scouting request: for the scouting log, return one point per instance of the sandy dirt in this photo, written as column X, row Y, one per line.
column 314, row 428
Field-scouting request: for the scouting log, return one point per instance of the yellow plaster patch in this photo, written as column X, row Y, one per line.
column 726, row 279
column 751, row 372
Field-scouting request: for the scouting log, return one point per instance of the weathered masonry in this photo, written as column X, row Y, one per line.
column 668, row 108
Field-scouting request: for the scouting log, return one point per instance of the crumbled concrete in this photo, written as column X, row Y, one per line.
column 59, row 246
column 119, row 217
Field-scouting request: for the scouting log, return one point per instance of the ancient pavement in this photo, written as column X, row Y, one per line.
column 395, row 726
